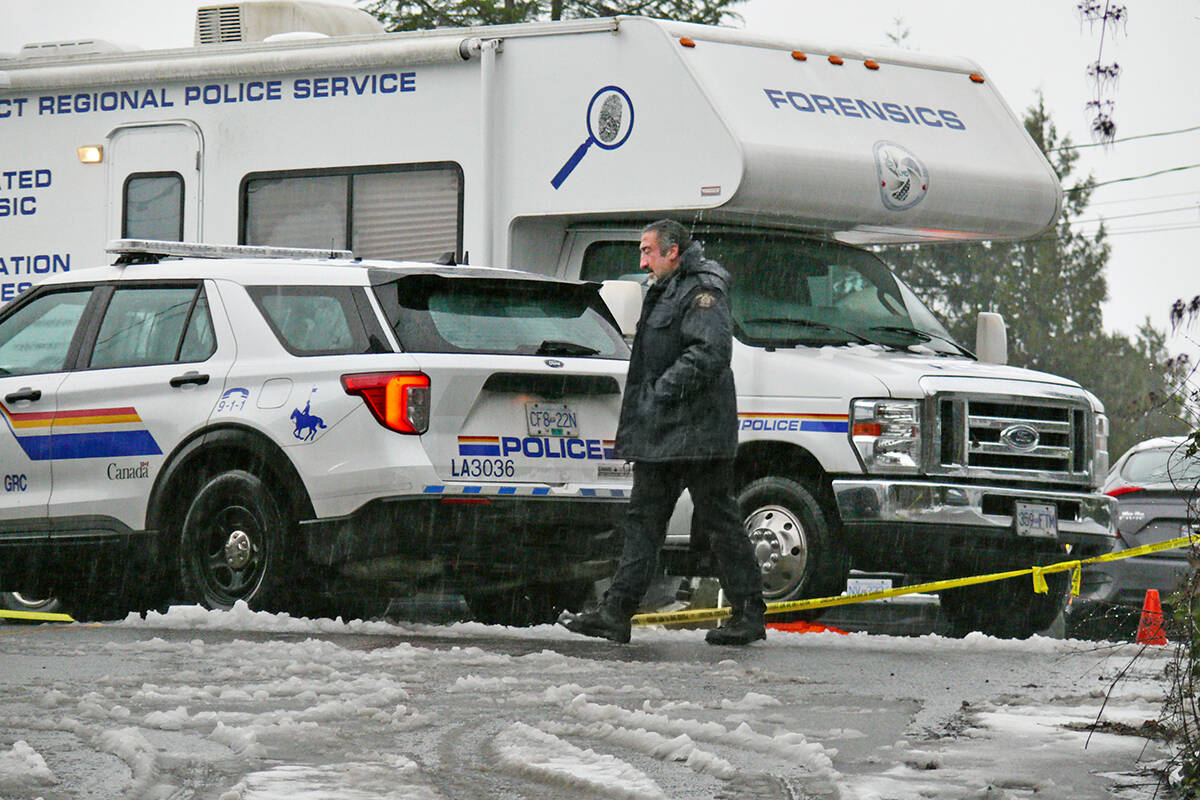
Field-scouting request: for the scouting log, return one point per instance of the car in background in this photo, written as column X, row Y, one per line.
column 1155, row 483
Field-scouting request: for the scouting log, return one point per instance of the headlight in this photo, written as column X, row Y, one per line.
column 1100, row 462
column 887, row 434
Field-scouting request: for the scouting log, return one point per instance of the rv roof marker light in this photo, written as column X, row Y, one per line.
column 686, row 42
column 836, row 60
column 869, row 64
column 796, row 54
column 976, row 77
column 90, row 153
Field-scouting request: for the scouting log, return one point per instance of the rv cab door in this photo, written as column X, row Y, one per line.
column 154, row 186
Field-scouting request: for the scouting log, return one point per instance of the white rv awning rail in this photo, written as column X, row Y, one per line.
column 259, row 59
column 218, row 64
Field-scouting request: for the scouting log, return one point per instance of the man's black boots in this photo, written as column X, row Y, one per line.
column 745, row 626
column 606, row 622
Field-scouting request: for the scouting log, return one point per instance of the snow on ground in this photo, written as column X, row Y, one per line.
column 250, row 706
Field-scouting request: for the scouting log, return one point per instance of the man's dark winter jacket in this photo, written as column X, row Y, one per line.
column 680, row 403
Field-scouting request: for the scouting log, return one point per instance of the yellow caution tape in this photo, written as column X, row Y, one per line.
column 1039, row 585
column 36, row 616
column 1039, row 574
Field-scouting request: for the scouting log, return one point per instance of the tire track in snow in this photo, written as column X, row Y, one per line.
column 543, row 755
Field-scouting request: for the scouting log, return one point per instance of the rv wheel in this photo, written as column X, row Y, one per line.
column 797, row 549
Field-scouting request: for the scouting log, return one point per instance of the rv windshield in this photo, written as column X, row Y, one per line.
column 789, row 292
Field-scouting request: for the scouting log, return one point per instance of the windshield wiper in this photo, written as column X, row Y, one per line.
column 552, row 347
column 810, row 323
column 924, row 336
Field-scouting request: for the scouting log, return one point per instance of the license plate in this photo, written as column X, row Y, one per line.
column 1037, row 519
column 545, row 419
column 867, row 585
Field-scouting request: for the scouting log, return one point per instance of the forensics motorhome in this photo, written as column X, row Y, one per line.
column 869, row 438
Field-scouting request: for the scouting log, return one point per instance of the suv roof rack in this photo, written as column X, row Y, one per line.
column 151, row 251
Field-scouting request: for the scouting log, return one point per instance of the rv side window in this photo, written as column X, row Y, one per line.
column 404, row 212
column 153, row 206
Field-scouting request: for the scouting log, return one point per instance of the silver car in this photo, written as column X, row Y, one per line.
column 1155, row 483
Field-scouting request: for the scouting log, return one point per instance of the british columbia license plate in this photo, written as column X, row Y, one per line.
column 544, row 419
column 1037, row 519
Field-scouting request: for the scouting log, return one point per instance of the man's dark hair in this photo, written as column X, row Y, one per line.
column 670, row 232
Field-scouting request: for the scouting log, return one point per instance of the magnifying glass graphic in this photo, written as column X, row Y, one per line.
column 609, row 123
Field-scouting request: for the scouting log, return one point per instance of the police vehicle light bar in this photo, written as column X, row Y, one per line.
column 151, row 247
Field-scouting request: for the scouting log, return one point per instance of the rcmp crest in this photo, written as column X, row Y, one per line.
column 903, row 178
column 705, row 300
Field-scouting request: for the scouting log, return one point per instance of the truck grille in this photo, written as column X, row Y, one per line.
column 1013, row 438
column 218, row 24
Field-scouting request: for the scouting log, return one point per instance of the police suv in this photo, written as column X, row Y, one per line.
column 213, row 424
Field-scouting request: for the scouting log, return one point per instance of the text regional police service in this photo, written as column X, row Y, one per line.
column 252, row 91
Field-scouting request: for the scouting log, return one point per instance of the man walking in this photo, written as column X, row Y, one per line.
column 678, row 426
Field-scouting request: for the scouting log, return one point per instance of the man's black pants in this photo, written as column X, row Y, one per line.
column 656, row 488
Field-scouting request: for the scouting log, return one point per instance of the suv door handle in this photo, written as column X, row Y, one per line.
column 24, row 393
column 190, row 376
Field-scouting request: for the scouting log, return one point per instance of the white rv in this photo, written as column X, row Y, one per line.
column 870, row 439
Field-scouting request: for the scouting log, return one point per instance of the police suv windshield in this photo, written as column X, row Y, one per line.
column 788, row 292
column 438, row 314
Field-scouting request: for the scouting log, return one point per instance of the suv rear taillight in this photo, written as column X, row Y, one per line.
column 399, row 400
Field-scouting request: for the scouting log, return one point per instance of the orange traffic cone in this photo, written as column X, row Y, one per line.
column 1150, row 627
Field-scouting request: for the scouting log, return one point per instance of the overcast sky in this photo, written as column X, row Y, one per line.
column 1025, row 46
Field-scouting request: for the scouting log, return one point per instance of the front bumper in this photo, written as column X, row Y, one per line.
column 1083, row 518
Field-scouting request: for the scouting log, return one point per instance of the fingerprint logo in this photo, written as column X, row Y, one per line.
column 903, row 179
column 611, row 111
column 609, row 123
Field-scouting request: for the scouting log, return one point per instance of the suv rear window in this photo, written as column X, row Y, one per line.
column 438, row 314
column 320, row 320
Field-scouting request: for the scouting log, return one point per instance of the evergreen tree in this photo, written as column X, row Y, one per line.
column 1050, row 290
column 407, row 15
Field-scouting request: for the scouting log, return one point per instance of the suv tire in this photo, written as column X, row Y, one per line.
column 231, row 546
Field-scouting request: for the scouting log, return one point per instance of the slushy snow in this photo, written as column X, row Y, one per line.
column 242, row 705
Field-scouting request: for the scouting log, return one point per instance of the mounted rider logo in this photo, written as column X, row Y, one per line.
column 307, row 424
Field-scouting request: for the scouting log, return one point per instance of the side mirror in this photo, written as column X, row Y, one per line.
column 624, row 300
column 991, row 339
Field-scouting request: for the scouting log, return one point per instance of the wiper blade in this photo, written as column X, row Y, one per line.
column 924, row 336
column 809, row 323
column 553, row 347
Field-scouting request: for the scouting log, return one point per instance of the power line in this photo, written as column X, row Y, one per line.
column 1124, row 139
column 1159, row 229
column 1137, row 214
column 1195, row 192
column 1139, row 177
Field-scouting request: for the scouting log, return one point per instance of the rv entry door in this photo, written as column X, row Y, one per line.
column 154, row 187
